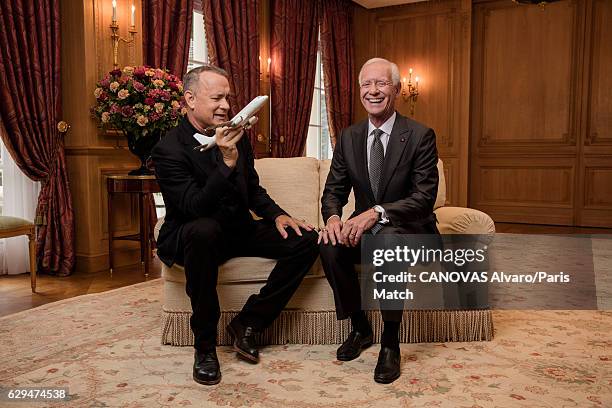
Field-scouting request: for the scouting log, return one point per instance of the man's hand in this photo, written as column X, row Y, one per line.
column 284, row 221
column 226, row 139
column 331, row 232
column 353, row 229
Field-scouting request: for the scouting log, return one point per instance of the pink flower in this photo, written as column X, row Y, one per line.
column 173, row 86
column 149, row 101
column 115, row 108
column 165, row 95
column 127, row 111
column 116, row 72
column 139, row 86
column 139, row 72
column 105, row 82
column 159, row 74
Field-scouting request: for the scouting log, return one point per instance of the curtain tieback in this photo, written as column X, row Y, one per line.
column 43, row 202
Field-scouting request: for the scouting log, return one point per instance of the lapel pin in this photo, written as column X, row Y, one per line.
column 402, row 139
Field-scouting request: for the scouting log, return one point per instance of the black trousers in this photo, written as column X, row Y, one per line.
column 206, row 246
column 339, row 265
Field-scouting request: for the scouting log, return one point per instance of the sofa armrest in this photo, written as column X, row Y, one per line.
column 461, row 220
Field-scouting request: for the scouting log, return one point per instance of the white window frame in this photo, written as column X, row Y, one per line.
column 318, row 143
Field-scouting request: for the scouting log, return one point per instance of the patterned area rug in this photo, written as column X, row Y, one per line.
column 105, row 349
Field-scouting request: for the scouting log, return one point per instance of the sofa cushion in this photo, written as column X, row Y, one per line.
column 293, row 183
column 9, row 223
column 240, row 269
column 324, row 166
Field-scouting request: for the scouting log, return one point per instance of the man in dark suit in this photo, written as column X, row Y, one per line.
column 208, row 195
column 390, row 163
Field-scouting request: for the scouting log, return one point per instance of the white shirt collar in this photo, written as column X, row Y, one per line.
column 386, row 127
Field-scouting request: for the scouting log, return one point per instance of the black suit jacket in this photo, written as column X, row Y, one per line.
column 409, row 181
column 198, row 184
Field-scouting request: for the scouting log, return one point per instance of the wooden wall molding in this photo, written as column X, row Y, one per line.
column 551, row 121
column 92, row 152
column 404, row 34
column 490, row 61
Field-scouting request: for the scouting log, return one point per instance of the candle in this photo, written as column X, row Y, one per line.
column 132, row 21
column 417, row 82
column 114, row 11
column 269, row 63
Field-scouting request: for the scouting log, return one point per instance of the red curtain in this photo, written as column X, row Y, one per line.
column 293, row 48
column 338, row 61
column 232, row 36
column 30, row 91
column 166, row 33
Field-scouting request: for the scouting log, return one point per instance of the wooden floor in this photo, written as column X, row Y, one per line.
column 15, row 293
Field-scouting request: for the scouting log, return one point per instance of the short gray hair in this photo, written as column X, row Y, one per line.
column 192, row 78
column 395, row 74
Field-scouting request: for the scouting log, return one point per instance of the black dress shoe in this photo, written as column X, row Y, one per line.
column 388, row 367
column 352, row 346
column 244, row 341
column 206, row 368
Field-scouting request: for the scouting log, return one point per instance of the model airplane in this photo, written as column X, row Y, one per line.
column 245, row 118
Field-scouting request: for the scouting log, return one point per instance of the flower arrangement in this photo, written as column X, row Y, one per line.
column 140, row 101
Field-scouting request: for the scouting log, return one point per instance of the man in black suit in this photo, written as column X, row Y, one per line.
column 208, row 195
column 390, row 163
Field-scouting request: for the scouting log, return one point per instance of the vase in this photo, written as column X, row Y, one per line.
column 141, row 145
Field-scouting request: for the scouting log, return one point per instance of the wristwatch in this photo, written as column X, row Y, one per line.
column 383, row 214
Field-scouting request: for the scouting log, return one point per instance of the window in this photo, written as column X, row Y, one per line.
column 198, row 51
column 198, row 55
column 318, row 143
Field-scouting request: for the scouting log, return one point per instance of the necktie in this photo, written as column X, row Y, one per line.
column 377, row 158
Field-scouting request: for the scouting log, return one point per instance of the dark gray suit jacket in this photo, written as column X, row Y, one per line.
column 409, row 181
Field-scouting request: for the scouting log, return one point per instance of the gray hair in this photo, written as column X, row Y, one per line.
column 395, row 74
column 192, row 78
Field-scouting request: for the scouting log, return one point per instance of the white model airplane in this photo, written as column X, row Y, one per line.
column 245, row 118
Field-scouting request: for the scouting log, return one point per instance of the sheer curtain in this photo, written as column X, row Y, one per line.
column 20, row 198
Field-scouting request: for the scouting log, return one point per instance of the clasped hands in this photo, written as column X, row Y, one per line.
column 348, row 233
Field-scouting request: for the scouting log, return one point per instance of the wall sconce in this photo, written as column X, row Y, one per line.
column 115, row 31
column 410, row 91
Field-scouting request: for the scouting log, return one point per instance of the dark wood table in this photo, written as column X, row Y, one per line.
column 142, row 186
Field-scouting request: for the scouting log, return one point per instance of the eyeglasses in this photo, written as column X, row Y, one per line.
column 378, row 84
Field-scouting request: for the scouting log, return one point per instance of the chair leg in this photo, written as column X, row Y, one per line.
column 32, row 247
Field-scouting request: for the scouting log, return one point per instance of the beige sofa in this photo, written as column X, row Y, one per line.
column 296, row 184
